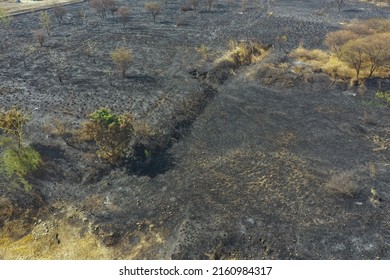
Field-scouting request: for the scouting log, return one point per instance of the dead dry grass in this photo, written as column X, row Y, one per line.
column 342, row 184
column 242, row 53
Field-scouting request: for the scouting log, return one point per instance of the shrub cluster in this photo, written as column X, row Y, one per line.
column 120, row 137
column 359, row 51
column 112, row 134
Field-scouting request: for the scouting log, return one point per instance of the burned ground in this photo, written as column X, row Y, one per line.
column 245, row 173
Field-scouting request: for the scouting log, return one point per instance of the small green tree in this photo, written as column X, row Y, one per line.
column 18, row 160
column 154, row 8
column 122, row 57
column 353, row 54
column 45, row 21
column 123, row 14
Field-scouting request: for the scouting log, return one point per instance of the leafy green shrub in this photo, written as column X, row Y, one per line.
column 112, row 134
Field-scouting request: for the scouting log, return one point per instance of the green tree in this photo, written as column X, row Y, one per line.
column 12, row 123
column 18, row 159
column 45, row 21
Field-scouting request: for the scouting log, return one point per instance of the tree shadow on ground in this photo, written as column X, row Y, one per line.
column 151, row 166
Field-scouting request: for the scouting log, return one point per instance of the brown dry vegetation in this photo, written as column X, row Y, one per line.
column 208, row 150
column 358, row 51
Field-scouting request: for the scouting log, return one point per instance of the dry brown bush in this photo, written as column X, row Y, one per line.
column 209, row 4
column 59, row 12
column 154, row 8
column 123, row 14
column 339, row 4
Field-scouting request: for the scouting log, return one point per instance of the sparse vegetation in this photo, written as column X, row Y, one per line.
column 5, row 20
column 45, row 21
column 209, row 4
column 383, row 95
column 342, row 183
column 100, row 8
column 40, row 36
column 18, row 160
column 122, row 57
column 195, row 5
column 123, row 15
column 112, row 6
column 359, row 51
column 59, row 12
column 266, row 141
column 153, row 8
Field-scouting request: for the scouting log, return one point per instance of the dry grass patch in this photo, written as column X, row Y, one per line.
column 243, row 53
column 343, row 184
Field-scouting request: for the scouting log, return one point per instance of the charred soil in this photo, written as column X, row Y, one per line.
column 260, row 162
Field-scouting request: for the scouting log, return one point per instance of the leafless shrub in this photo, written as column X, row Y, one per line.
column 154, row 8
column 342, row 183
column 335, row 40
column 339, row 4
column 123, row 14
column 244, row 4
column 40, row 36
column 59, row 13
column 209, row 4
column 195, row 5
column 112, row 6
column 100, row 8
column 60, row 64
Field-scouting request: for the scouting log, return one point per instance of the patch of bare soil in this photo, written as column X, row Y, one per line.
column 263, row 161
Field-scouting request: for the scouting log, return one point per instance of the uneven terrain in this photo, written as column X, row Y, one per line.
column 250, row 161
